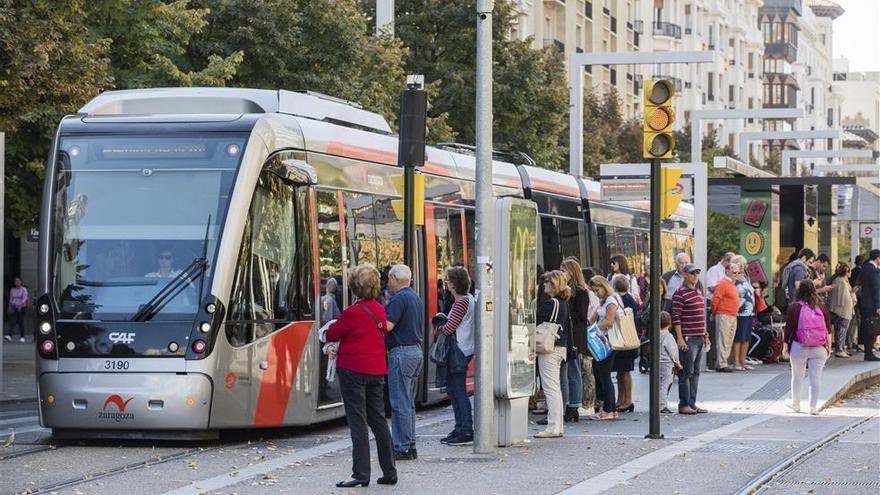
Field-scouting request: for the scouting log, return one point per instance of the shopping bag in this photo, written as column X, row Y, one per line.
column 598, row 343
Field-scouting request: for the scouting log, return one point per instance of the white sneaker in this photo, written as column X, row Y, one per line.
column 7, row 338
column 21, row 340
column 748, row 367
column 583, row 411
column 814, row 411
column 752, row 361
column 792, row 406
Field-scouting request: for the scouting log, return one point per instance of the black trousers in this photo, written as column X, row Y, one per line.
column 866, row 338
column 364, row 400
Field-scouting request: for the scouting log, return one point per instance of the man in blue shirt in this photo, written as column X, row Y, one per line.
column 406, row 320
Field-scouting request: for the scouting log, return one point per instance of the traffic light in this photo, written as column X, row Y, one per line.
column 669, row 200
column 657, row 140
column 419, row 207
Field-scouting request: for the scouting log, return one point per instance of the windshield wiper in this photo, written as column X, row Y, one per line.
column 170, row 291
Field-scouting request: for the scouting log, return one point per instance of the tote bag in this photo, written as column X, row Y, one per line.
column 546, row 333
column 623, row 335
column 598, row 343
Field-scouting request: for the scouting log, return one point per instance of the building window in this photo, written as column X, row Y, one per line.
column 711, row 86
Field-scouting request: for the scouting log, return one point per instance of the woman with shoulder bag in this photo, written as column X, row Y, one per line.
column 459, row 331
column 554, row 311
column 579, row 306
column 606, row 316
column 361, row 364
column 842, row 306
column 624, row 361
column 807, row 329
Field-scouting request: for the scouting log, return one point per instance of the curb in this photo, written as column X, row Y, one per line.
column 857, row 380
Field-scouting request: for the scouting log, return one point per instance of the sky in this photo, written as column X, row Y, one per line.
column 857, row 34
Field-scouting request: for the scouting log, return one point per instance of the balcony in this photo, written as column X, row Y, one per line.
column 781, row 50
column 554, row 43
column 669, row 29
column 795, row 5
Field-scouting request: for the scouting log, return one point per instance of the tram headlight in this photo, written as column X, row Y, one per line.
column 47, row 347
column 45, row 327
column 211, row 308
column 205, row 327
column 44, row 309
column 199, row 346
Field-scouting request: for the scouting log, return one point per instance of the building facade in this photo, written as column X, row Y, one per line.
column 859, row 112
column 576, row 26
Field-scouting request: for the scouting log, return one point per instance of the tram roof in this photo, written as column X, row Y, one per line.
column 233, row 101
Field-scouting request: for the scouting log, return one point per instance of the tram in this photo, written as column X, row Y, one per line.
column 195, row 238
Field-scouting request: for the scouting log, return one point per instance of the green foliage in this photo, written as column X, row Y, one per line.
column 150, row 40
column 49, row 66
column 608, row 137
column 530, row 91
column 723, row 235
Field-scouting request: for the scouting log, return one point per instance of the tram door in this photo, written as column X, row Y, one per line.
column 271, row 307
column 353, row 228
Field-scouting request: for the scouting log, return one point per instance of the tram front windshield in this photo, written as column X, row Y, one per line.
column 136, row 223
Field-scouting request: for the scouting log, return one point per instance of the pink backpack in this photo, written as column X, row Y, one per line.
column 811, row 330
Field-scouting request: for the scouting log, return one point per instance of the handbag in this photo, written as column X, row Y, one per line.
column 546, row 333
column 439, row 348
column 598, row 343
column 623, row 335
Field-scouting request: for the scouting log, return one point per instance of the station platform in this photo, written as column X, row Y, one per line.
column 747, row 431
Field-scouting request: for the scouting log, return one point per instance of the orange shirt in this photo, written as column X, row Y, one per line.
column 725, row 298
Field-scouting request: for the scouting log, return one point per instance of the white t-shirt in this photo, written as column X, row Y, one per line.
column 713, row 276
column 603, row 308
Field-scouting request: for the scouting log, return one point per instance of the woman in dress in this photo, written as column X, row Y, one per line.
column 624, row 361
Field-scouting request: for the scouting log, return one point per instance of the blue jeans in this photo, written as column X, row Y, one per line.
column 404, row 368
column 461, row 404
column 575, row 394
column 689, row 377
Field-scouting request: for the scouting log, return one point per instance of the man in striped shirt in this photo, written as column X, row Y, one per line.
column 689, row 320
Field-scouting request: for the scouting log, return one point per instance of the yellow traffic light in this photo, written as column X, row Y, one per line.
column 657, row 140
column 419, row 207
column 669, row 199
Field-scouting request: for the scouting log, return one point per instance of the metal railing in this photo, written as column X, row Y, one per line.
column 662, row 28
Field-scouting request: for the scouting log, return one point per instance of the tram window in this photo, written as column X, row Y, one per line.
column 264, row 275
column 330, row 256
column 550, row 244
column 570, row 239
column 604, row 248
column 303, row 292
column 360, row 229
column 449, row 248
column 389, row 234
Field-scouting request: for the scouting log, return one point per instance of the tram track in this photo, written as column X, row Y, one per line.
column 24, row 452
column 792, row 462
column 153, row 460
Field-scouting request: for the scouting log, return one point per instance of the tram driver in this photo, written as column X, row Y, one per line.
column 166, row 262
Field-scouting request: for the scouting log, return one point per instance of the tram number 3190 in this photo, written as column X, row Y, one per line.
column 116, row 365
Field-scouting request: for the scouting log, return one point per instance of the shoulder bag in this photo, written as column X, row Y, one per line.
column 623, row 335
column 598, row 343
column 546, row 333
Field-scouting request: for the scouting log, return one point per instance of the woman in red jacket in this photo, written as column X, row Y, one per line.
column 361, row 367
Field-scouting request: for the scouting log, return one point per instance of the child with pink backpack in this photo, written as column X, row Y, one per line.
column 807, row 329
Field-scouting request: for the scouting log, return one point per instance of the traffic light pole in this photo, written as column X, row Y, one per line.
column 411, row 154
column 655, row 274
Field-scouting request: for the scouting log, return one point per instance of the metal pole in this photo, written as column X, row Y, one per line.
column 411, row 154
column 484, row 392
column 2, row 240
column 384, row 17
column 656, row 260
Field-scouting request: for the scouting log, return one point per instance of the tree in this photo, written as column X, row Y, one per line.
column 530, row 95
column 49, row 66
column 317, row 45
column 150, row 42
column 608, row 137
